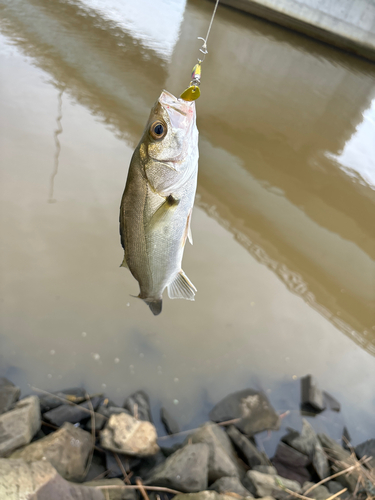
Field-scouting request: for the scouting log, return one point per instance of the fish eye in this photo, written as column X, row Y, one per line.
column 158, row 130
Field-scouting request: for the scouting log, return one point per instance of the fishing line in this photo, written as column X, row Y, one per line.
column 193, row 91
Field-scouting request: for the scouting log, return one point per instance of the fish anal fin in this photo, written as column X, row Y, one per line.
column 181, row 287
column 155, row 306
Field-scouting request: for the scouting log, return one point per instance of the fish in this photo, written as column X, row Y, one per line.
column 157, row 204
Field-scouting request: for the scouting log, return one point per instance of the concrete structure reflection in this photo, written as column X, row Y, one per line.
column 263, row 174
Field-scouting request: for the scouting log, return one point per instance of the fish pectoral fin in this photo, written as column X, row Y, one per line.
column 124, row 263
column 163, row 213
column 181, row 287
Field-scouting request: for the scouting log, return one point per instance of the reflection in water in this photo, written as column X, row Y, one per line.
column 274, row 107
column 56, row 134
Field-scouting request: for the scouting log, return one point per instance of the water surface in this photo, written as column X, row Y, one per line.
column 283, row 227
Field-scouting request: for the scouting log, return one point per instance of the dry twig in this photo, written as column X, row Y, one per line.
column 124, row 473
column 138, row 481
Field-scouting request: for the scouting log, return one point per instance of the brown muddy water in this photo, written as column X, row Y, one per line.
column 283, row 226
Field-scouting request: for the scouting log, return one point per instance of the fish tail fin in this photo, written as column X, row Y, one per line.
column 181, row 287
column 155, row 306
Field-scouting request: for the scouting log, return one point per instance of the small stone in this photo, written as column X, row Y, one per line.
column 367, row 448
column 247, row 449
column 170, row 424
column 125, row 434
column 265, row 469
column 330, row 402
column 222, row 459
column 311, row 396
column 308, row 443
column 39, row 480
column 58, row 398
column 9, row 394
column 138, row 405
column 342, row 460
column 291, row 464
column 230, row 485
column 72, row 413
column 19, row 425
column 318, row 493
column 102, row 414
column 186, row 470
column 67, row 450
column 113, row 493
column 267, row 484
column 252, row 407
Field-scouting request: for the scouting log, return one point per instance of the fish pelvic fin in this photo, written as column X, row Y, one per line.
column 181, row 287
column 155, row 306
column 124, row 263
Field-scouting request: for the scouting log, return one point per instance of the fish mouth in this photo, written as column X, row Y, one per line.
column 181, row 113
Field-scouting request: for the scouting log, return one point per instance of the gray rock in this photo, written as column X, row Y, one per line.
column 246, row 448
column 230, row 485
column 58, row 398
column 222, row 459
column 170, row 424
column 252, row 407
column 266, row 469
column 367, row 448
column 127, row 463
column 335, row 487
column 345, row 439
column 72, row 413
column 318, row 493
column 186, row 470
column 39, row 481
column 138, row 404
column 308, row 443
column 102, row 414
column 203, row 495
column 120, row 493
column 67, row 450
column 147, row 464
column 342, row 460
column 311, row 396
column 9, row 394
column 291, row 464
column 124, row 434
column 97, row 467
column 18, row 426
column 330, row 402
column 267, row 484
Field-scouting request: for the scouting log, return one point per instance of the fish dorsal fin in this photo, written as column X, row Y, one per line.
column 124, row 263
column 181, row 287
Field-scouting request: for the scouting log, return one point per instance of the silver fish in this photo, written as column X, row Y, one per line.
column 158, row 200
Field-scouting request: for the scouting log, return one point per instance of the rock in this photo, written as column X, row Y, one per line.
column 222, row 459
column 170, row 424
column 97, row 467
column 186, row 470
column 67, row 450
column 345, row 439
column 39, row 481
column 138, row 405
column 72, row 413
column 102, row 414
column 9, row 394
column 128, row 463
column 267, row 484
column 318, row 493
column 168, row 451
column 266, row 469
column 246, row 448
column 367, row 448
column 230, row 485
column 291, row 464
column 147, row 464
column 311, row 395
column 112, row 493
column 308, row 443
column 50, row 401
column 252, row 407
column 335, row 487
column 342, row 460
column 330, row 402
column 203, row 495
column 18, row 426
column 124, row 434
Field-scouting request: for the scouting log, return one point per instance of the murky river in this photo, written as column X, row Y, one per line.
column 284, row 233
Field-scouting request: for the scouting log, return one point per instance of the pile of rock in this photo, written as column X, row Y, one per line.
column 68, row 446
